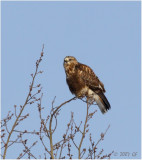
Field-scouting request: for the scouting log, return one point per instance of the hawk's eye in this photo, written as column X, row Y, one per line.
column 69, row 59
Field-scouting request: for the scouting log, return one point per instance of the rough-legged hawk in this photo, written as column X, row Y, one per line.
column 83, row 82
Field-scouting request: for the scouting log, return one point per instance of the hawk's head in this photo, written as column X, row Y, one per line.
column 69, row 64
column 68, row 60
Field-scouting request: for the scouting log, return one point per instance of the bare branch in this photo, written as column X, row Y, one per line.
column 83, row 134
column 50, row 125
column 26, row 102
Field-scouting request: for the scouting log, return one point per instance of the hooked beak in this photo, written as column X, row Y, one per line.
column 65, row 61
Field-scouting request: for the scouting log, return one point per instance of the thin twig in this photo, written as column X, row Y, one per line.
column 50, row 125
column 83, row 135
column 17, row 119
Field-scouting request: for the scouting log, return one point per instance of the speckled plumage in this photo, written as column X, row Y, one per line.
column 82, row 81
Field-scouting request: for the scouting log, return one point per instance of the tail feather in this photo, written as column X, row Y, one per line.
column 102, row 102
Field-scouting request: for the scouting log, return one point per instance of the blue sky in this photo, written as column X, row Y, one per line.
column 103, row 35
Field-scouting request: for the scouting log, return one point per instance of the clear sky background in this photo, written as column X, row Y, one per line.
column 103, row 35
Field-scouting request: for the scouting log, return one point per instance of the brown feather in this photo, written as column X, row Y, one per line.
column 82, row 81
column 89, row 77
